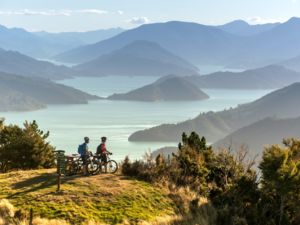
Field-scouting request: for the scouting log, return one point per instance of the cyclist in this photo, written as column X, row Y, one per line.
column 83, row 150
column 102, row 151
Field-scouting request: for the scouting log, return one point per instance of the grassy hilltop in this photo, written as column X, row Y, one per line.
column 106, row 198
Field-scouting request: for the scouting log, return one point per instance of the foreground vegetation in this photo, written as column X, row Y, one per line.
column 109, row 199
column 230, row 183
column 198, row 185
column 25, row 147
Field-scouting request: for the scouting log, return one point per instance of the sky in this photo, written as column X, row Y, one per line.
column 83, row 15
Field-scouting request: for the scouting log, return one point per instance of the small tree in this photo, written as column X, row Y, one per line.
column 25, row 148
column 194, row 158
column 280, row 168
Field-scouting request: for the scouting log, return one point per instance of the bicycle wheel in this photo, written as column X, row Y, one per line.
column 111, row 166
column 93, row 167
column 70, row 169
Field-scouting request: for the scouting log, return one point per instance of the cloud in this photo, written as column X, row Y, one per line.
column 138, row 20
column 53, row 12
column 120, row 12
column 261, row 20
column 91, row 11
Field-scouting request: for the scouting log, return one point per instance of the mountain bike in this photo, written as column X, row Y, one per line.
column 74, row 164
column 97, row 165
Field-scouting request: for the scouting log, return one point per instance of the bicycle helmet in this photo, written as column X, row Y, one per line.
column 86, row 139
column 103, row 139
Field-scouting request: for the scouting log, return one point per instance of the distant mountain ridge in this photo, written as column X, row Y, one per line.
column 204, row 45
column 269, row 77
column 240, row 27
column 140, row 58
column 43, row 45
column 191, row 41
column 28, row 43
column 80, row 38
column 262, row 133
column 216, row 125
column 17, row 63
column 270, row 47
column 170, row 88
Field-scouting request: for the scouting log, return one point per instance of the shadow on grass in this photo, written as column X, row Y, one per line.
column 40, row 182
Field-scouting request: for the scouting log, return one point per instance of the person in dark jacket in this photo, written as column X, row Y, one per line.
column 83, row 150
column 102, row 151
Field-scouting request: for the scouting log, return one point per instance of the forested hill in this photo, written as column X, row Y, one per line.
column 283, row 103
column 269, row 77
column 262, row 133
column 20, row 93
column 170, row 88
column 17, row 63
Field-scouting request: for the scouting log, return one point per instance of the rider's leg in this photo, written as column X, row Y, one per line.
column 84, row 160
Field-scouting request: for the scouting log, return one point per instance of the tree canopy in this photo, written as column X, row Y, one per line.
column 25, row 148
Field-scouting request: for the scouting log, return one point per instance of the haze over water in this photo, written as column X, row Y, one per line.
column 68, row 124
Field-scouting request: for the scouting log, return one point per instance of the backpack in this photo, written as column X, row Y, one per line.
column 81, row 149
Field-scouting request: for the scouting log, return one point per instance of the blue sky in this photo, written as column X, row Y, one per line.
column 82, row 15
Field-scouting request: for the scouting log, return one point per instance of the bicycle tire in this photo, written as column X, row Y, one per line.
column 70, row 169
column 110, row 167
column 93, row 168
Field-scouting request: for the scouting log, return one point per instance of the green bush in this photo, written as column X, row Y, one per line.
column 25, row 148
column 230, row 183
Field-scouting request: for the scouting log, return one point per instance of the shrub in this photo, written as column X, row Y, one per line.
column 25, row 148
column 227, row 179
column 280, row 168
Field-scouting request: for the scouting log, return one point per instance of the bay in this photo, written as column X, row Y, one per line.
column 68, row 124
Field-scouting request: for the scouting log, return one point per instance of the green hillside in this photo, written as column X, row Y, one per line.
column 106, row 198
column 217, row 125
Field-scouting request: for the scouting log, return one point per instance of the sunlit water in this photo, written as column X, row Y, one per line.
column 68, row 124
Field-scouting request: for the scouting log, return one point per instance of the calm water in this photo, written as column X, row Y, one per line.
column 117, row 119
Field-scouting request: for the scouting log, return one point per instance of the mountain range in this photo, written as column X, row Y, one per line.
column 76, row 39
column 191, row 41
column 262, row 133
column 204, row 45
column 282, row 103
column 140, row 58
column 242, row 28
column 236, row 44
column 170, row 88
column 17, row 63
column 275, row 45
column 269, row 77
column 44, row 45
column 20, row 93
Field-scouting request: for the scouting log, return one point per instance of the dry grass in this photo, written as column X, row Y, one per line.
column 98, row 200
column 204, row 216
column 6, row 209
column 110, row 199
column 8, row 217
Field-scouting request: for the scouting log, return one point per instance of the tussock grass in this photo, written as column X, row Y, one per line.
column 205, row 215
column 6, row 209
column 107, row 199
